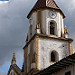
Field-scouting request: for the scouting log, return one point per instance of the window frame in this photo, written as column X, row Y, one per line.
column 56, row 56
column 52, row 28
column 55, row 29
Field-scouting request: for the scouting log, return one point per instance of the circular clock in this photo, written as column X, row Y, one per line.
column 52, row 14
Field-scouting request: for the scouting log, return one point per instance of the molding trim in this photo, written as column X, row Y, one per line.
column 47, row 36
column 61, row 24
column 70, row 47
column 37, row 44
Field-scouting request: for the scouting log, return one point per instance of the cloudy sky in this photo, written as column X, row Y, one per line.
column 14, row 27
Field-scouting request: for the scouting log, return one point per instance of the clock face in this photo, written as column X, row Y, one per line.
column 52, row 14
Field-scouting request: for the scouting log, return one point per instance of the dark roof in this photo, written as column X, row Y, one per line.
column 45, row 4
column 58, row 65
column 16, row 68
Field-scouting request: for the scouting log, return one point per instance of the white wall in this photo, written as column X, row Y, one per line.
column 46, row 46
column 34, row 49
column 46, row 19
column 45, row 22
column 33, row 23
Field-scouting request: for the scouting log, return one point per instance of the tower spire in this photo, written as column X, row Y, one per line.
column 13, row 59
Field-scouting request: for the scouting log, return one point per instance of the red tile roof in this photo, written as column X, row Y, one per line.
column 52, row 4
column 39, row 4
column 45, row 4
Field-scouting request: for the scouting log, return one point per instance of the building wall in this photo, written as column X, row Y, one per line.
column 67, row 69
column 28, row 55
column 46, row 46
column 33, row 22
column 25, row 59
column 12, row 72
column 42, row 17
column 58, row 20
column 44, row 21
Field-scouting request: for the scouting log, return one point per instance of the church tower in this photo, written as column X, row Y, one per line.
column 47, row 40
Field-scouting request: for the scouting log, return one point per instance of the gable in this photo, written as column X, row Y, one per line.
column 14, row 69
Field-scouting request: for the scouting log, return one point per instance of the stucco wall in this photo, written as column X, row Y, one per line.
column 46, row 19
column 33, row 23
column 34, row 50
column 58, row 20
column 46, row 46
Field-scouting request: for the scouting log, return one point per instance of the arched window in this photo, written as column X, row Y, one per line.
column 54, row 56
column 52, row 28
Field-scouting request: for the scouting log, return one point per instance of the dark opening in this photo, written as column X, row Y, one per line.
column 52, row 57
column 52, row 28
column 68, row 73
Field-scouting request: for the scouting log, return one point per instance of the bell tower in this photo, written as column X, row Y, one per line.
column 47, row 39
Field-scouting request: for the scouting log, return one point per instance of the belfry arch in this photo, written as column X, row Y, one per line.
column 52, row 27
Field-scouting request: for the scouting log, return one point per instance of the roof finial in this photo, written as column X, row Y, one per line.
column 65, row 30
column 13, row 59
column 66, row 34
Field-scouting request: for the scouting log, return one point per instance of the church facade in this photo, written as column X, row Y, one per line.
column 48, row 49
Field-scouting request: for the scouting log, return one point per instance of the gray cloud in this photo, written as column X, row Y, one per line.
column 13, row 30
column 14, row 26
column 68, row 8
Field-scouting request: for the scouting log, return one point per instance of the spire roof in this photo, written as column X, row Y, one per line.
column 46, row 4
column 13, row 59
